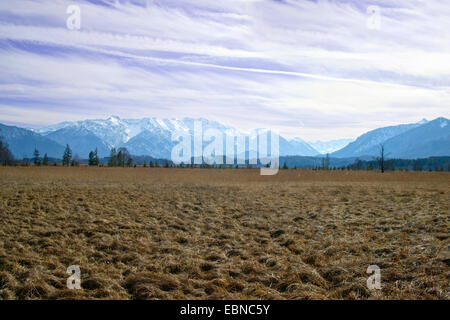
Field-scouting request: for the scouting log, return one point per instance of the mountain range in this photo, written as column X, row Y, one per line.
column 408, row 141
column 152, row 137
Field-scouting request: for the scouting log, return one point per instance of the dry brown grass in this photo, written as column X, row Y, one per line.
column 143, row 233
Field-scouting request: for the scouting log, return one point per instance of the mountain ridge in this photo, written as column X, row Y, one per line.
column 138, row 135
column 153, row 137
column 396, row 138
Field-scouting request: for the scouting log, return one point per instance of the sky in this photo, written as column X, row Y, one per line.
column 319, row 70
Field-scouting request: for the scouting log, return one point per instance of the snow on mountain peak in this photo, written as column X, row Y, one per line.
column 297, row 139
column 331, row 146
column 423, row 121
column 114, row 119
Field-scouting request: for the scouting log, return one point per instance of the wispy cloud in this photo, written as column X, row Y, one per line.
column 306, row 68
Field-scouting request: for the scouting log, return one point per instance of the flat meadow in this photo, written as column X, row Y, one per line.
column 174, row 233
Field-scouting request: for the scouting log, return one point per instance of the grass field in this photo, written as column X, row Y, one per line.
column 141, row 233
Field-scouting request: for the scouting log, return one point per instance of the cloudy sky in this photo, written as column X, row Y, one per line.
column 322, row 69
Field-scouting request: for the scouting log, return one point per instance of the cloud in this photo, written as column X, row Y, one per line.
column 305, row 68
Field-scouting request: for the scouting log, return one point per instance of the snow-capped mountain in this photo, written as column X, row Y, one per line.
column 115, row 131
column 153, row 137
column 82, row 141
column 325, row 147
column 147, row 136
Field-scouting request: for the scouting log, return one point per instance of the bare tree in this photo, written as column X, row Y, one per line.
column 124, row 157
column 75, row 161
column 45, row 160
column 6, row 157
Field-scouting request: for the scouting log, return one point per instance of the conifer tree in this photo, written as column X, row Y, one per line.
column 67, row 157
column 91, row 158
column 96, row 160
column 37, row 160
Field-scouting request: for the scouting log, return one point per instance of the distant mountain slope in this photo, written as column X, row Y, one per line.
column 427, row 140
column 296, row 146
column 150, row 143
column 81, row 141
column 419, row 140
column 369, row 141
column 325, row 147
column 22, row 142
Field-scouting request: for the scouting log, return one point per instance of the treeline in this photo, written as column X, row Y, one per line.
column 122, row 158
column 426, row 164
column 378, row 163
column 6, row 158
